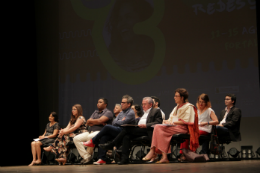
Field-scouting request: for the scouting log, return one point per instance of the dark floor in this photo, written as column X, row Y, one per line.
column 209, row 167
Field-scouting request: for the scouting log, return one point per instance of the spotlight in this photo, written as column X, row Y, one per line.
column 247, row 152
column 233, row 152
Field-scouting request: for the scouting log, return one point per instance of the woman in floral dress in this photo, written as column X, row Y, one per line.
column 75, row 127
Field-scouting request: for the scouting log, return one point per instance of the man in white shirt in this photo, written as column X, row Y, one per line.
column 150, row 117
column 157, row 104
column 229, row 126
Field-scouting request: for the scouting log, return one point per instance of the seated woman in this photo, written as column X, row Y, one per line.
column 183, row 119
column 75, row 127
column 51, row 131
column 117, row 109
column 207, row 118
column 138, row 112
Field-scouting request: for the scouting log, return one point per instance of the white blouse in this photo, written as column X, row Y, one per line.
column 205, row 117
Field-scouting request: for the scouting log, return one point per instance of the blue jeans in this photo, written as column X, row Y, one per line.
column 107, row 133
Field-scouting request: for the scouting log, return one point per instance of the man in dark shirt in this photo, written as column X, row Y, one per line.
column 96, row 121
column 150, row 117
column 229, row 126
column 109, row 132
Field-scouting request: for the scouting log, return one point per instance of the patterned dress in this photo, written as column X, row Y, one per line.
column 60, row 144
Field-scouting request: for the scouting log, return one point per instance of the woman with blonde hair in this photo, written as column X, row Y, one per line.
column 207, row 118
column 75, row 127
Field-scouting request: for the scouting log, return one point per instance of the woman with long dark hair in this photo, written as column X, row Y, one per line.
column 75, row 127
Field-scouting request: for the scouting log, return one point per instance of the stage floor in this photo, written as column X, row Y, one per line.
column 209, row 167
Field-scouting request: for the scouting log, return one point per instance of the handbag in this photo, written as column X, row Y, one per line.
column 214, row 142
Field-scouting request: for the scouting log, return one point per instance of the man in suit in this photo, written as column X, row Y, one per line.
column 150, row 117
column 156, row 104
column 229, row 127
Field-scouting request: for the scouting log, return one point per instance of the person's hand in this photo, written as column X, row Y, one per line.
column 142, row 125
column 203, row 124
column 41, row 137
column 172, row 123
column 166, row 122
column 123, row 118
column 61, row 132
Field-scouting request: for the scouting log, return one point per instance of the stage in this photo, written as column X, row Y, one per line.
column 209, row 167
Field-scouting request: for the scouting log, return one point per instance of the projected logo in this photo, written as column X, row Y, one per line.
column 131, row 47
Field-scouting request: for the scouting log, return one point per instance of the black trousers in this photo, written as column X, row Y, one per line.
column 129, row 133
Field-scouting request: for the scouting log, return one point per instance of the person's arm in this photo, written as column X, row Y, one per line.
column 100, row 121
column 158, row 119
column 128, row 119
column 55, row 133
column 235, row 118
column 77, row 125
column 213, row 122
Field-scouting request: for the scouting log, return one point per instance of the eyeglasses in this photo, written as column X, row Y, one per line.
column 176, row 96
column 227, row 99
column 123, row 102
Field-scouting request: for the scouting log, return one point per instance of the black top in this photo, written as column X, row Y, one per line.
column 232, row 122
column 50, row 130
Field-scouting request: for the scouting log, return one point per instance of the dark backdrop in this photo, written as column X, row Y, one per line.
column 32, row 76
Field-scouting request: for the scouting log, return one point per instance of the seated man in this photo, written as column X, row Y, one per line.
column 109, row 132
column 157, row 103
column 230, row 116
column 96, row 121
column 150, row 117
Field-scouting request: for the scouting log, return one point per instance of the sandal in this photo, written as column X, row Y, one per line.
column 182, row 158
column 61, row 161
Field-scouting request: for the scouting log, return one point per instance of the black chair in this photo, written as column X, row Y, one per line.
column 142, row 142
column 48, row 157
column 177, row 139
column 73, row 155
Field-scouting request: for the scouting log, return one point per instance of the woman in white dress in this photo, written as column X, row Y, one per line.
column 207, row 118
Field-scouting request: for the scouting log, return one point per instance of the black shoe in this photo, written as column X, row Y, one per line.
column 107, row 146
column 123, row 162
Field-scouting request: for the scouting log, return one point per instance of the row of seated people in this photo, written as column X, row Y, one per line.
column 102, row 128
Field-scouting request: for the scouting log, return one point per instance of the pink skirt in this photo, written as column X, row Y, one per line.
column 162, row 136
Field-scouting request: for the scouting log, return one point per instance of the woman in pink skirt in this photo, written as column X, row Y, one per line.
column 183, row 119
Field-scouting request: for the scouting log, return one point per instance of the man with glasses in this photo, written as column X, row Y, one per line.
column 229, row 127
column 150, row 117
column 109, row 132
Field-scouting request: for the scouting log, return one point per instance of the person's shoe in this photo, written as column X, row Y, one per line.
column 107, row 146
column 100, row 162
column 85, row 161
column 123, row 162
column 89, row 143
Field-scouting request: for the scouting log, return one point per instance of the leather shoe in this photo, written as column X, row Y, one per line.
column 107, row 146
column 123, row 162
